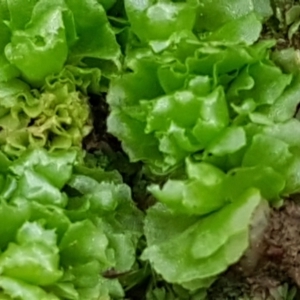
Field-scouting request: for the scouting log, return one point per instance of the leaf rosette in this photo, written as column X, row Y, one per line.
column 64, row 229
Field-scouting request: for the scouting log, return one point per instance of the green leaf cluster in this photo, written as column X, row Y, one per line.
column 39, row 39
column 63, row 229
column 202, row 92
column 193, row 94
column 191, row 251
column 56, row 117
column 49, row 61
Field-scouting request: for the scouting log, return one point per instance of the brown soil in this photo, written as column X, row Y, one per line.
column 100, row 139
column 279, row 263
column 107, row 148
column 277, row 28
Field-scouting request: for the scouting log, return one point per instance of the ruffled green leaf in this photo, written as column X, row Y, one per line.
column 29, row 188
column 263, row 8
column 54, row 217
column 19, row 290
column 204, row 248
column 90, row 285
column 245, row 29
column 64, row 229
column 287, row 132
column 279, row 153
column 267, row 180
column 34, row 263
column 286, row 105
column 79, row 242
column 157, row 21
column 38, row 42
column 55, row 167
column 65, row 290
column 226, row 12
column 100, row 196
column 121, row 220
column 19, row 19
column 91, row 21
column 229, row 141
column 58, row 118
column 36, row 46
column 190, row 92
column 200, row 194
column 13, row 216
column 129, row 131
column 7, row 71
column 252, row 83
column 272, row 152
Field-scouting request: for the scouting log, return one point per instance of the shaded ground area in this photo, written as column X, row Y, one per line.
column 278, row 269
column 100, row 139
column 107, row 153
column 284, row 24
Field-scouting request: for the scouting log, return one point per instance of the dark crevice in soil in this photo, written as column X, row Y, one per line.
column 278, row 265
column 276, row 26
column 107, row 148
column 99, row 139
